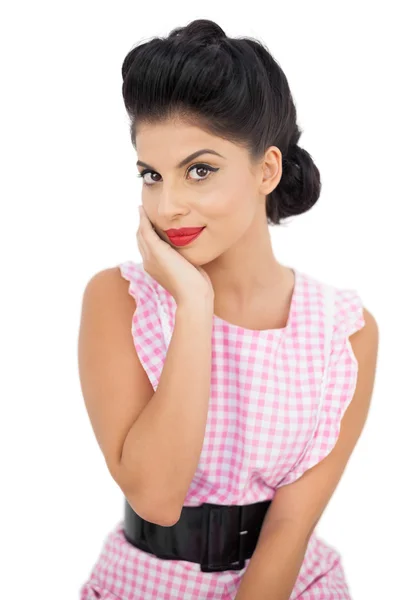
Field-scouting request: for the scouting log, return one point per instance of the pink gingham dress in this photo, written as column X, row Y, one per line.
column 277, row 399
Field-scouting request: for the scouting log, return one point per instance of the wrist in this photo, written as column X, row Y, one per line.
column 200, row 303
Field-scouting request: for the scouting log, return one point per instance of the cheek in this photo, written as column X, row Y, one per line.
column 227, row 202
column 229, row 217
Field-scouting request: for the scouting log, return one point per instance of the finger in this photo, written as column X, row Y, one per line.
column 143, row 216
column 142, row 223
column 145, row 219
column 148, row 231
column 142, row 246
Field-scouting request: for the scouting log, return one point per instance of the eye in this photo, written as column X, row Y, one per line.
column 193, row 167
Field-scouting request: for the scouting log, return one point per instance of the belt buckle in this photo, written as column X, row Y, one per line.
column 210, row 516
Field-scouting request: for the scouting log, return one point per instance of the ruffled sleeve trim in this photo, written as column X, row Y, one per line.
column 340, row 383
column 147, row 327
column 350, row 318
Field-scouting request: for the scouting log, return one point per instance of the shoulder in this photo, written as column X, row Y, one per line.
column 364, row 346
column 367, row 336
column 355, row 334
column 363, row 351
column 109, row 288
column 353, row 355
column 356, row 358
column 350, row 316
column 355, row 325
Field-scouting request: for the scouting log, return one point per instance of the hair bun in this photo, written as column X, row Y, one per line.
column 293, row 156
column 202, row 30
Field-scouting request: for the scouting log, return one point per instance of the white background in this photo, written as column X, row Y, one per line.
column 69, row 197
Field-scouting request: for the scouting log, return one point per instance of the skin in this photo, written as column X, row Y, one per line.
column 253, row 290
column 251, row 287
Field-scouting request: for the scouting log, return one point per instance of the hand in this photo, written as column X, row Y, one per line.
column 176, row 274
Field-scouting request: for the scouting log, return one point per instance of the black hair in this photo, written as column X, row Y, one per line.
column 230, row 87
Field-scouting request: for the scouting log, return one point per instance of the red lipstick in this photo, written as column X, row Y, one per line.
column 183, row 236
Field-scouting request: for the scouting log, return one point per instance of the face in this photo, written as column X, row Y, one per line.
column 224, row 193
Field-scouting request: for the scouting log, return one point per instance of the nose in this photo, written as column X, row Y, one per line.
column 170, row 204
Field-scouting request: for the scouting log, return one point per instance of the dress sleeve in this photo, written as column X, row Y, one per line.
column 340, row 384
column 147, row 327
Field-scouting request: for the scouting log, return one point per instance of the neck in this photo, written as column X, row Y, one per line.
column 248, row 270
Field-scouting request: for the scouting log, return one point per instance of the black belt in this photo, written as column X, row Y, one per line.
column 219, row 537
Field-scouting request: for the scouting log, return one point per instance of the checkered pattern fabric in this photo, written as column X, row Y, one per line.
column 277, row 399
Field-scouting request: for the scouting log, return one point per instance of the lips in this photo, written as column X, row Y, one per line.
column 183, row 231
column 182, row 237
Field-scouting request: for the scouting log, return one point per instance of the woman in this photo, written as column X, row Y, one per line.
column 226, row 391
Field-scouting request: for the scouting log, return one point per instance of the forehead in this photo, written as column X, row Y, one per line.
column 169, row 143
column 173, row 133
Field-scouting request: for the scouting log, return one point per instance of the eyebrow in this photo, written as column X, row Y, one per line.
column 186, row 160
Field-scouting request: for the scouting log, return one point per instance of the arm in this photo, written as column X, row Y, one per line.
column 275, row 564
column 151, row 441
column 162, row 449
column 297, row 507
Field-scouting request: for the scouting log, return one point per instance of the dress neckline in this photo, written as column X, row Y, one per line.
column 276, row 331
